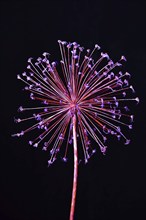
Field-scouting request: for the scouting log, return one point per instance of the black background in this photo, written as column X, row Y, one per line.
column 109, row 187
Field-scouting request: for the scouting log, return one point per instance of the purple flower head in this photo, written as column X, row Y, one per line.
column 96, row 96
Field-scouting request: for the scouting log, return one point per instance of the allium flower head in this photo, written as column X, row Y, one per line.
column 93, row 90
column 83, row 100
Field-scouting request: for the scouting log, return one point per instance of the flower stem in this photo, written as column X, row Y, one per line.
column 74, row 190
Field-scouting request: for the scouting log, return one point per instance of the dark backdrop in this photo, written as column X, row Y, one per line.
column 109, row 187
